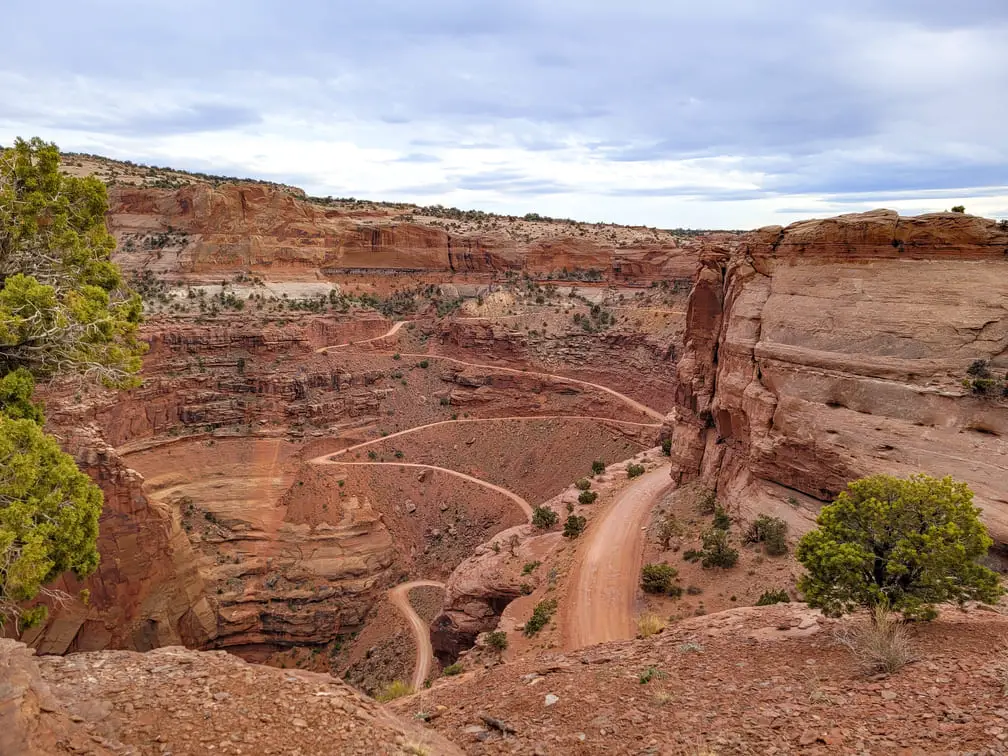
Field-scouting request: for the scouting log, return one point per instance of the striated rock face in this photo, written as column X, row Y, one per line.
column 833, row 349
column 253, row 227
column 147, row 590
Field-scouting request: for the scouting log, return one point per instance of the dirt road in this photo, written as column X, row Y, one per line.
column 399, row 596
column 462, row 421
column 524, row 505
column 515, row 371
column 562, row 379
column 603, row 589
column 391, row 332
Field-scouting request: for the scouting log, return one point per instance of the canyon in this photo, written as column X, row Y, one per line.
column 352, row 414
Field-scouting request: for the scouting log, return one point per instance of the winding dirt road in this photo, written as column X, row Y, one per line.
column 528, row 418
column 605, row 581
column 399, row 596
column 391, row 332
column 552, row 376
column 514, row 371
column 524, row 505
column 603, row 590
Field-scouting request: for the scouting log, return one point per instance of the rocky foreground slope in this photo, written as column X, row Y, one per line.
column 189, row 703
column 754, row 680
column 831, row 349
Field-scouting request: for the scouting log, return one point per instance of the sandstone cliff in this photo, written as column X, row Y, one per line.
column 202, row 230
column 832, row 349
column 147, row 591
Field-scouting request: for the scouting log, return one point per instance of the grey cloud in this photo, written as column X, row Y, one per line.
column 418, row 157
column 783, row 86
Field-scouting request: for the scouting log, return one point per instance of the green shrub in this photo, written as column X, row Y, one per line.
column 598, row 467
column 541, row 615
column 574, row 526
column 497, row 640
column 423, row 364
column 530, row 567
column 692, row 555
column 668, row 529
column 706, row 501
column 454, row 669
column 902, row 544
column 717, row 550
column 773, row 596
column 660, row 577
column 544, row 518
column 650, row 674
column 721, row 519
column 771, row 532
column 587, row 497
column 666, row 447
column 634, row 470
column 583, row 485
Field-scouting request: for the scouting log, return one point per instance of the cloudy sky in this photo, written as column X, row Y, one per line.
column 716, row 114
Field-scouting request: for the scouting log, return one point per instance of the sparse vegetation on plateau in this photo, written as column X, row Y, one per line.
column 497, row 640
column 541, row 616
column 721, row 519
column 598, row 467
column 395, row 689
column 649, row 624
column 773, row 596
column 634, row 470
column 574, row 526
column 668, row 528
column 882, row 644
column 544, row 518
column 771, row 532
column 660, row 577
column 587, row 497
column 649, row 674
column 706, row 501
column 981, row 381
column 717, row 549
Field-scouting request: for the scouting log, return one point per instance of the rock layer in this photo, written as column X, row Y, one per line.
column 203, row 229
column 833, row 349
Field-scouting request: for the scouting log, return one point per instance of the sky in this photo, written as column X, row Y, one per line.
column 717, row 114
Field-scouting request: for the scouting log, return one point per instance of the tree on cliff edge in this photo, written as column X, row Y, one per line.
column 64, row 311
column 897, row 544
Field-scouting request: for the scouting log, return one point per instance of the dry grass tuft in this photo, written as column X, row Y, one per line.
column 395, row 689
column 881, row 645
column 649, row 624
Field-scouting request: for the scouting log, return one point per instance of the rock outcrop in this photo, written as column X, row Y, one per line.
column 147, row 590
column 172, row 700
column 832, row 349
column 201, row 229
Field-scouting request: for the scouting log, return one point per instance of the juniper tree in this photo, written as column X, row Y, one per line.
column 900, row 544
column 64, row 311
